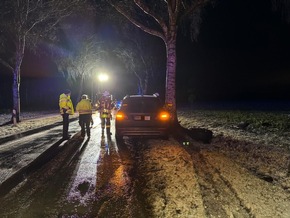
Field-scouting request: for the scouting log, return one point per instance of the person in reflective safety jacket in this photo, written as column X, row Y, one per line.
column 84, row 108
column 105, row 106
column 66, row 108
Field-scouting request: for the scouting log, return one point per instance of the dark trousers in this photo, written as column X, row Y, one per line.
column 106, row 123
column 65, row 118
column 84, row 121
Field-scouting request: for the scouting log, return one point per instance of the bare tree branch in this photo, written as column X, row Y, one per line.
column 136, row 23
column 151, row 13
column 6, row 65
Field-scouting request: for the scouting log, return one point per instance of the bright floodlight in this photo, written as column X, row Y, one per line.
column 103, row 77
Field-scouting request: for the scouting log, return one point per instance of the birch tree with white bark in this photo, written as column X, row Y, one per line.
column 24, row 23
column 162, row 18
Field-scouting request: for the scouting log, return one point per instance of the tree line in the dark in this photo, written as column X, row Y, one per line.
column 41, row 26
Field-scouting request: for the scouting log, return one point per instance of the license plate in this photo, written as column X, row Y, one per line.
column 137, row 117
column 147, row 118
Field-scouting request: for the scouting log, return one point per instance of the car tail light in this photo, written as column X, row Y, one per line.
column 121, row 116
column 164, row 116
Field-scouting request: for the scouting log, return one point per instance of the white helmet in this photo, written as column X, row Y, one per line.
column 84, row 96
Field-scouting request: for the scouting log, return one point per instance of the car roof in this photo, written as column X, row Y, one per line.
column 141, row 96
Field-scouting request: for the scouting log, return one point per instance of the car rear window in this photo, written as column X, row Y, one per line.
column 141, row 105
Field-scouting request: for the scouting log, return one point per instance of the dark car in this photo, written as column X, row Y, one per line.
column 142, row 115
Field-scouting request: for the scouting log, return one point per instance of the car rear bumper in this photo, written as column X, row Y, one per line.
column 141, row 131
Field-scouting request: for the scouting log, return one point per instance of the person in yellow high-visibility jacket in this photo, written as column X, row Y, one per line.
column 66, row 108
column 84, row 108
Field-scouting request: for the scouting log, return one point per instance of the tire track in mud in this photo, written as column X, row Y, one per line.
column 219, row 199
column 229, row 189
column 170, row 186
column 260, row 198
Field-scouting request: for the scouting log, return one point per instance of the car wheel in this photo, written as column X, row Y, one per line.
column 119, row 138
column 165, row 137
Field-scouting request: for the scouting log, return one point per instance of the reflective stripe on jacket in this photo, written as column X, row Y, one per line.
column 65, row 104
column 84, row 107
column 105, row 107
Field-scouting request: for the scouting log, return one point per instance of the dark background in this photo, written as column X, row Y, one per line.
column 240, row 55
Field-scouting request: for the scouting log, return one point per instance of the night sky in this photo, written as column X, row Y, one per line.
column 241, row 53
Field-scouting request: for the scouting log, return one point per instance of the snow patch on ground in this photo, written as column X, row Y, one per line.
column 172, row 186
column 29, row 121
column 171, row 180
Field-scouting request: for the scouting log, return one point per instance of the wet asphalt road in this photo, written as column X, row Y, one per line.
column 42, row 176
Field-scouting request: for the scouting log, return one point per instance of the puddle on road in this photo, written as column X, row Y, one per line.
column 84, row 181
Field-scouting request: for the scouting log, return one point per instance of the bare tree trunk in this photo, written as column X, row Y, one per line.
column 81, row 87
column 92, row 90
column 145, row 89
column 15, row 87
column 170, row 91
column 140, row 84
column 16, row 83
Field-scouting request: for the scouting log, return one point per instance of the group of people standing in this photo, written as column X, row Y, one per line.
column 84, row 108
